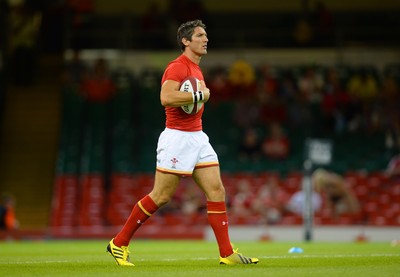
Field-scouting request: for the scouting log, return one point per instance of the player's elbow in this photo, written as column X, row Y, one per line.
column 164, row 101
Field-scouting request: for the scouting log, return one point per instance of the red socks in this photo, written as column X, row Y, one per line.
column 143, row 209
column 146, row 207
column 219, row 223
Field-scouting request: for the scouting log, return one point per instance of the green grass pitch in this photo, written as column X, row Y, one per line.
column 197, row 258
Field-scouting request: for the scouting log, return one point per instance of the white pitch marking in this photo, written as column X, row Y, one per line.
column 35, row 262
column 330, row 256
column 295, row 256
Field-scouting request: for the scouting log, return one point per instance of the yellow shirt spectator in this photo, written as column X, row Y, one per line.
column 363, row 87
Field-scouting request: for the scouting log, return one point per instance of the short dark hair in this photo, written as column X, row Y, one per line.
column 186, row 31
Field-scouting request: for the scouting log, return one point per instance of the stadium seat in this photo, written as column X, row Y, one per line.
column 65, row 202
column 91, row 213
column 292, row 220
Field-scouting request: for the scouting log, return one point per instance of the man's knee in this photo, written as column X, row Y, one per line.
column 216, row 193
column 160, row 198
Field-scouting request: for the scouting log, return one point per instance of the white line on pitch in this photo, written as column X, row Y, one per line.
column 289, row 257
column 296, row 256
column 35, row 262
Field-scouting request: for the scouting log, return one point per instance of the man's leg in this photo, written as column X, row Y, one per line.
column 209, row 180
column 143, row 209
column 164, row 187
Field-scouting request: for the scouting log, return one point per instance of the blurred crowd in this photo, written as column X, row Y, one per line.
column 270, row 199
column 326, row 100
column 270, row 101
column 93, row 82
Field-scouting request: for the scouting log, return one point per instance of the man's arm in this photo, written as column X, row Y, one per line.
column 349, row 198
column 170, row 96
column 392, row 169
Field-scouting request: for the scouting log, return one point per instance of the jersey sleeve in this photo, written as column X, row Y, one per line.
column 176, row 72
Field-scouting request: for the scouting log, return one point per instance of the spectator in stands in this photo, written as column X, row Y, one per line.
column 299, row 114
column 393, row 169
column 335, row 104
column 218, row 82
column 390, row 112
column 247, row 112
column 298, row 107
column 363, row 90
column 272, row 107
column 192, row 200
column 338, row 195
column 296, row 202
column 269, row 202
column 243, row 199
column 276, row 144
column 287, row 88
column 242, row 79
column 8, row 220
column 363, row 86
column 98, row 86
column 268, row 84
column 249, row 148
column 274, row 110
column 310, row 85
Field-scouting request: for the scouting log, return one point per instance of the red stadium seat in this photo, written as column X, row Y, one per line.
column 92, row 201
column 65, row 201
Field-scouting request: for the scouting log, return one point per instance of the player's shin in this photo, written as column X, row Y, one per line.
column 143, row 209
column 218, row 220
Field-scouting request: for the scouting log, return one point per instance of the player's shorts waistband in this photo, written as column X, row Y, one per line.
column 184, row 132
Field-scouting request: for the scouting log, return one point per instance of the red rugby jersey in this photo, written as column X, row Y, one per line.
column 176, row 118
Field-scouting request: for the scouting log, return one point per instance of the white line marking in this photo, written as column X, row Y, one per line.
column 294, row 256
column 35, row 262
column 331, row 256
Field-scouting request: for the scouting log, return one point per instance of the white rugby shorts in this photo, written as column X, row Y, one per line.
column 180, row 152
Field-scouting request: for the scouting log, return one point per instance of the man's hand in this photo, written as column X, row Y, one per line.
column 205, row 90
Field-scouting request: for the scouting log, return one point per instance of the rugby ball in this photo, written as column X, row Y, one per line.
column 191, row 84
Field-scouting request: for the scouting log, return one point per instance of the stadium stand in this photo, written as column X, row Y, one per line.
column 103, row 194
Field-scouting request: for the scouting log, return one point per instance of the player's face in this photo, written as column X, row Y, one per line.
column 198, row 45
